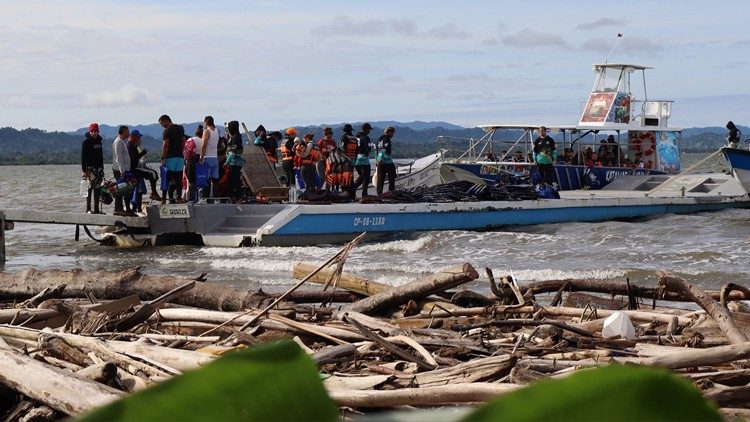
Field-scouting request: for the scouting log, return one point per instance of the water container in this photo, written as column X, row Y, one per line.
column 84, row 189
column 293, row 195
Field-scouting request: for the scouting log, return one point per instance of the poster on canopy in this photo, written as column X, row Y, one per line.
column 598, row 107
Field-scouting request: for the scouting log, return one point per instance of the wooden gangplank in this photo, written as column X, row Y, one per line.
column 72, row 218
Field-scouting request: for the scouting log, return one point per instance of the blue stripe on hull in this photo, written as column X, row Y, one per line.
column 738, row 158
column 331, row 224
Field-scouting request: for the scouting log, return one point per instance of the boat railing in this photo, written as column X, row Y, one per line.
column 475, row 150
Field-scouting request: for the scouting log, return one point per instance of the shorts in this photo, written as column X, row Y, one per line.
column 174, row 163
column 213, row 165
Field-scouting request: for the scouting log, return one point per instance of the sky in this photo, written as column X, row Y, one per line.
column 64, row 64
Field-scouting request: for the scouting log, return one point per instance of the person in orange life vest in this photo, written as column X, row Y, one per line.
column 326, row 144
column 349, row 142
column 287, row 155
column 309, row 155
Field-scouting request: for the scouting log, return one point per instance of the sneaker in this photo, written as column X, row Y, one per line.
column 155, row 196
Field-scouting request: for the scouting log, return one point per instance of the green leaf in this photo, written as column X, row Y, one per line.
column 613, row 393
column 268, row 382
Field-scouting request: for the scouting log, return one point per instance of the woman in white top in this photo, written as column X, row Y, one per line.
column 210, row 153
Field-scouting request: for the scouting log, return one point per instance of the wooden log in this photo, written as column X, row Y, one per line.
column 347, row 281
column 101, row 348
column 556, row 311
column 481, row 369
column 31, row 315
column 730, row 396
column 38, row 413
column 148, row 308
column 104, row 372
column 334, row 354
column 423, row 396
column 66, row 393
column 111, row 285
column 215, row 317
column 60, row 349
column 619, row 288
column 447, row 279
column 720, row 314
column 47, row 293
column 696, row 357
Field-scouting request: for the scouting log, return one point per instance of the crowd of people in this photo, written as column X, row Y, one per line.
column 209, row 165
column 545, row 156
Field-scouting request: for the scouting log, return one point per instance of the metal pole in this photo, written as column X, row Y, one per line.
column 2, row 239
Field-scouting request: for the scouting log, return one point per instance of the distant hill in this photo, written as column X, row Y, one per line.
column 412, row 139
column 155, row 130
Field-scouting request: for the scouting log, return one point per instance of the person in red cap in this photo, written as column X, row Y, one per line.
column 92, row 166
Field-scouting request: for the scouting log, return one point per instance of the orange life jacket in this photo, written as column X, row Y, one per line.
column 311, row 158
column 326, row 145
column 350, row 148
column 287, row 153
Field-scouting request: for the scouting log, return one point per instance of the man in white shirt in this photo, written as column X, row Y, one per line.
column 120, row 165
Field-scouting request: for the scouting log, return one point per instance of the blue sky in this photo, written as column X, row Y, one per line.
column 283, row 63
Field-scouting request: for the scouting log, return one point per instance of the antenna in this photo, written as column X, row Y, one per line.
column 619, row 35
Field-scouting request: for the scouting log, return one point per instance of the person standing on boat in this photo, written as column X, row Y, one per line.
column 173, row 142
column 385, row 165
column 544, row 156
column 326, row 145
column 135, row 155
column 309, row 156
column 349, row 142
column 191, row 154
column 92, row 166
column 235, row 160
column 120, row 166
column 209, row 154
column 287, row 155
column 362, row 162
column 734, row 135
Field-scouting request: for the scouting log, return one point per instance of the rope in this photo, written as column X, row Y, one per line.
column 684, row 172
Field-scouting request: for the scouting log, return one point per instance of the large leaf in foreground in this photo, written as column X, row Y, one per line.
column 612, row 393
column 269, row 382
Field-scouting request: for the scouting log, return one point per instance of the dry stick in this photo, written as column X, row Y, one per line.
column 387, row 345
column 148, row 308
column 727, row 290
column 301, row 282
column 558, row 296
column 525, row 323
column 719, row 313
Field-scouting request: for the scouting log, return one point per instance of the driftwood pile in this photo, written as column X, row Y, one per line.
column 95, row 336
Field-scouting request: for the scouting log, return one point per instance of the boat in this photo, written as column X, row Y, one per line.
column 739, row 162
column 613, row 119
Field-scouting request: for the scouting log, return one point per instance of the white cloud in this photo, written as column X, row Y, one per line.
column 128, row 95
column 599, row 23
column 627, row 44
column 345, row 26
column 448, row 31
column 529, row 38
column 24, row 101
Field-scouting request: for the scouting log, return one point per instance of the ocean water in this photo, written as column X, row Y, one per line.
column 709, row 249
